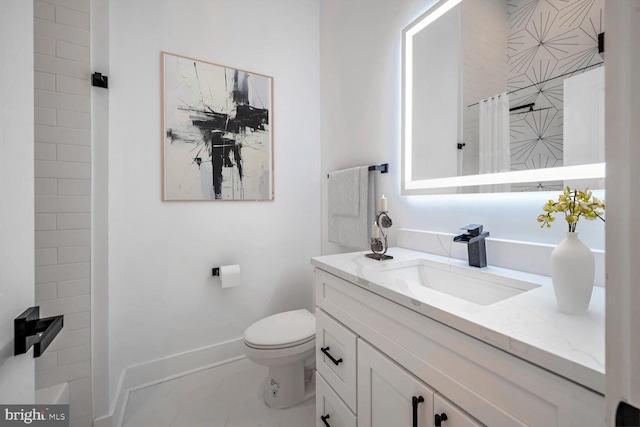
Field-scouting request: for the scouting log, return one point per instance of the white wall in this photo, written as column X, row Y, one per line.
column 162, row 298
column 360, row 107
column 16, row 190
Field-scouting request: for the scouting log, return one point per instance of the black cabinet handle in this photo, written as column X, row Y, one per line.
column 439, row 419
column 416, row 401
column 324, row 419
column 325, row 350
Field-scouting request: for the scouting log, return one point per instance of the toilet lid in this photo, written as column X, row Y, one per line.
column 282, row 330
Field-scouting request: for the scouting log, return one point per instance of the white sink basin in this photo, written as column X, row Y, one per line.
column 470, row 284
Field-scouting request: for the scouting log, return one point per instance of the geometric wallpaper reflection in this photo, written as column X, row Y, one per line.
column 548, row 39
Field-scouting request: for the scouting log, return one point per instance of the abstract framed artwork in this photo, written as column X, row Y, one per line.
column 217, row 135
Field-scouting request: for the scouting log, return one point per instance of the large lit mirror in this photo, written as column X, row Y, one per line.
column 503, row 96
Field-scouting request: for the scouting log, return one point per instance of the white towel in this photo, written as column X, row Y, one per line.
column 351, row 207
column 344, row 192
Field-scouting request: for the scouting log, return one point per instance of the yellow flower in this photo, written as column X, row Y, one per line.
column 574, row 204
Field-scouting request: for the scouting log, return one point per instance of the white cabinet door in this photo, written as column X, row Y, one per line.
column 336, row 356
column 448, row 414
column 330, row 409
column 388, row 395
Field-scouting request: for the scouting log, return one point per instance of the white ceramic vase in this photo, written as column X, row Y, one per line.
column 572, row 273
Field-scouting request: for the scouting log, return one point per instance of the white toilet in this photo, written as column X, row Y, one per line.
column 286, row 343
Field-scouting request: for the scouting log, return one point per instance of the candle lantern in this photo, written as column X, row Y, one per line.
column 379, row 245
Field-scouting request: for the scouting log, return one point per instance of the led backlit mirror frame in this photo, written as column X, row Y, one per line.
column 438, row 185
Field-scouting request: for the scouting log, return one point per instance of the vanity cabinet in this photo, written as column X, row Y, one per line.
column 330, row 409
column 388, row 395
column 336, row 357
column 388, row 355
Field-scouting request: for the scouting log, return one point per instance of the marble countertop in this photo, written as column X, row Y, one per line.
column 527, row 325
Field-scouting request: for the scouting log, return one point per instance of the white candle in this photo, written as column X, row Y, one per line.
column 375, row 231
column 383, row 204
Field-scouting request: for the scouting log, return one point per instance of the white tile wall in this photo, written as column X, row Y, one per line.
column 63, row 195
column 44, row 187
column 73, row 221
column 44, row 10
column 73, row 119
column 47, row 256
column 62, row 101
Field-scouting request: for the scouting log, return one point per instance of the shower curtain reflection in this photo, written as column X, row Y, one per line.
column 494, row 139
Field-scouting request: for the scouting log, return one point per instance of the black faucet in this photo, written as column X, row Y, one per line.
column 474, row 238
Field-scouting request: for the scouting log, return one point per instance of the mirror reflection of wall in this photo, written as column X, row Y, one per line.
column 526, row 49
column 437, row 77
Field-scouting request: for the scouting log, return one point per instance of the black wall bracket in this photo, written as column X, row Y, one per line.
column 601, row 45
column 30, row 331
column 98, row 80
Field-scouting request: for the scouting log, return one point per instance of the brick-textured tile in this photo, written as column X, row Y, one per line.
column 46, row 256
column 46, row 291
column 44, row 46
column 71, row 254
column 67, row 339
column 73, row 153
column 60, row 135
column 73, row 119
column 63, row 187
column 56, row 204
column 45, row 221
column 51, row 169
column 60, row 66
column 62, row 101
column 73, row 221
column 74, row 187
column 73, row 52
column 77, row 320
column 71, row 17
column 44, row 151
column 73, row 85
column 58, row 31
column 62, row 272
column 43, row 10
column 79, row 5
column 54, row 239
column 70, row 355
column 66, row 306
column 45, row 116
column 62, row 374
column 74, row 288
column 47, row 361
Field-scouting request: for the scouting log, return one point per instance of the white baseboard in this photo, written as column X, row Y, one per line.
column 531, row 257
column 156, row 371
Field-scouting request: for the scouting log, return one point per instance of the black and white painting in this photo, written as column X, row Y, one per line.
column 217, row 132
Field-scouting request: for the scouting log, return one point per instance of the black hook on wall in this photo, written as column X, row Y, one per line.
column 98, row 80
column 30, row 331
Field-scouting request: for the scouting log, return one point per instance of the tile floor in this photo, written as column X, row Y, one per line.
column 224, row 396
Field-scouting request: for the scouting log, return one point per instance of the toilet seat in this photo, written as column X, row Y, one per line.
column 286, row 344
column 282, row 330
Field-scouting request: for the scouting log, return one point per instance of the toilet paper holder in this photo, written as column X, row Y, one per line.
column 230, row 275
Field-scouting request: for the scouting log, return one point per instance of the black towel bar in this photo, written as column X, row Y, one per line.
column 383, row 168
